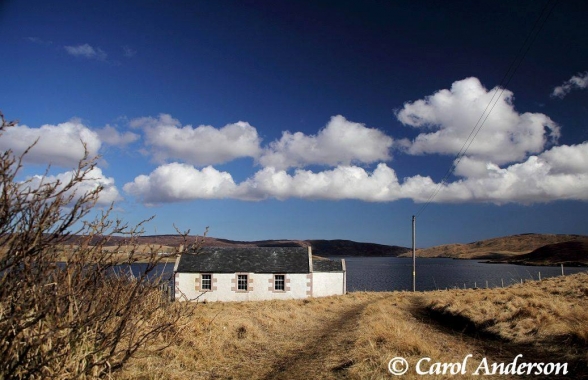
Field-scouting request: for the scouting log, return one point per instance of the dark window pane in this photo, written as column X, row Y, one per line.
column 242, row 282
column 279, row 282
column 206, row 283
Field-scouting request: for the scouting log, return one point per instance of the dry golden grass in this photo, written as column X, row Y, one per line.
column 538, row 313
column 355, row 336
column 242, row 340
column 391, row 328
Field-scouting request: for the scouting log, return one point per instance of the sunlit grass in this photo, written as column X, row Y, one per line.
column 246, row 340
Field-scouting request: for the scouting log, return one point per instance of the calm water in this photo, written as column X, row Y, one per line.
column 392, row 273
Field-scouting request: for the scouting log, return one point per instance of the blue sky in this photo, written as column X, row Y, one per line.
column 308, row 119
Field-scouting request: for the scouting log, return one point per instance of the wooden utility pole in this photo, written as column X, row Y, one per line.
column 414, row 253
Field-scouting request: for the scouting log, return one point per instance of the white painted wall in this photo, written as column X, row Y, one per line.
column 327, row 284
column 299, row 287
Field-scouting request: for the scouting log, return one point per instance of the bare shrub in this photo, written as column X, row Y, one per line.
column 68, row 309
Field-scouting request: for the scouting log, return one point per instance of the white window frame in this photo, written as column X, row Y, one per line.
column 280, row 279
column 240, row 278
column 208, row 280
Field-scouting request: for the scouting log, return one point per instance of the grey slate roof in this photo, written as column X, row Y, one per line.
column 252, row 260
column 327, row 266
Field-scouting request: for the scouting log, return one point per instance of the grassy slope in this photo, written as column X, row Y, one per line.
column 497, row 248
column 354, row 336
column 568, row 253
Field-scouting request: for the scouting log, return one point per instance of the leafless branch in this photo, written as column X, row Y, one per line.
column 64, row 310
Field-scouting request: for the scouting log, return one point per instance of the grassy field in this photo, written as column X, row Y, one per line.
column 356, row 335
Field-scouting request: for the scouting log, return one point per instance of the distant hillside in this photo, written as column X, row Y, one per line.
column 569, row 253
column 498, row 248
column 351, row 248
column 319, row 247
column 506, row 248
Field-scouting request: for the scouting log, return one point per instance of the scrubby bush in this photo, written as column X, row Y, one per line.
column 65, row 309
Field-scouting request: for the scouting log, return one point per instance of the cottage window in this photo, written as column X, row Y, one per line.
column 242, row 282
column 206, row 282
column 279, row 282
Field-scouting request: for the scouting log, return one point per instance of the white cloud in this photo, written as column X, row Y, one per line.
column 86, row 51
column 560, row 173
column 204, row 145
column 579, row 81
column 179, row 182
column 448, row 117
column 92, row 181
column 341, row 142
column 57, row 144
column 471, row 168
column 567, row 159
column 111, row 136
column 342, row 182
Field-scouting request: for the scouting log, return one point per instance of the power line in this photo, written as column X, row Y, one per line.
column 513, row 67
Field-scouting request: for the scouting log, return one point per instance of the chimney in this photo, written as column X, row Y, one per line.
column 310, row 259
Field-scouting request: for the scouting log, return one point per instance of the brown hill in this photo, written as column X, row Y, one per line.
column 569, row 253
column 497, row 248
column 352, row 248
column 320, row 247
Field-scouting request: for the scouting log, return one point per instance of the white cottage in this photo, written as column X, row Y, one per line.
column 256, row 273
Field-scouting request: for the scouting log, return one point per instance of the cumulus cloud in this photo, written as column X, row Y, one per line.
column 542, row 178
column 559, row 173
column 179, row 182
column 340, row 142
column 203, row 145
column 579, row 81
column 567, row 159
column 92, row 181
column 342, row 182
column 112, row 136
column 60, row 144
column 447, row 118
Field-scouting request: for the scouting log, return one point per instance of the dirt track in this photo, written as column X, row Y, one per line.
column 324, row 354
